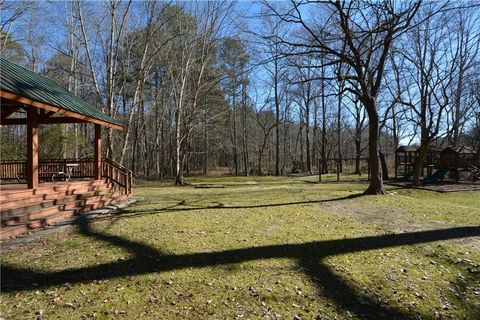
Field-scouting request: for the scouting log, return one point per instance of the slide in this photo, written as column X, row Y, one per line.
column 437, row 175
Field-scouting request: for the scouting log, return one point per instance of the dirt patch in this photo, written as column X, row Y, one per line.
column 390, row 221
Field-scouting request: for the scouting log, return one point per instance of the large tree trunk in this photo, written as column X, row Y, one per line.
column 179, row 179
column 383, row 163
column 376, row 182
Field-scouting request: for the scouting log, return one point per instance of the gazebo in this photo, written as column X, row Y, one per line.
column 45, row 102
column 30, row 99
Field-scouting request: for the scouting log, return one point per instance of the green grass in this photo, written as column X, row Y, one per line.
column 277, row 248
column 344, row 177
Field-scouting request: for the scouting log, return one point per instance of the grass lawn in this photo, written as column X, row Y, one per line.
column 274, row 248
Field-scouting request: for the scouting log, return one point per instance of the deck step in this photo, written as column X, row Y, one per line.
column 22, row 210
column 19, row 228
column 49, row 192
column 22, row 215
column 94, row 202
column 23, row 228
column 54, row 188
column 21, row 198
column 26, row 206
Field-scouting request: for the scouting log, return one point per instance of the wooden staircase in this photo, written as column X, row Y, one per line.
column 474, row 168
column 24, row 210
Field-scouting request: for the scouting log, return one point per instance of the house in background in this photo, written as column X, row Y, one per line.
column 55, row 189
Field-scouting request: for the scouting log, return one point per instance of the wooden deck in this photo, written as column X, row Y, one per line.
column 12, row 187
column 23, row 210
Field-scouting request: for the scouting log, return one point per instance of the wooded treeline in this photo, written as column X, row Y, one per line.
column 253, row 88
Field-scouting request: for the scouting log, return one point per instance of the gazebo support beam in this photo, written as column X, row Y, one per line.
column 40, row 105
column 98, row 151
column 41, row 120
column 32, row 149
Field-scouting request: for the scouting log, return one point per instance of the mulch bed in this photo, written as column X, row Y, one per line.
column 440, row 187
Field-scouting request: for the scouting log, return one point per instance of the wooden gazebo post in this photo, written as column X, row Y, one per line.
column 98, row 152
column 31, row 167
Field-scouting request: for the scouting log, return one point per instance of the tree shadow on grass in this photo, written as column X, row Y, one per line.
column 179, row 206
column 310, row 256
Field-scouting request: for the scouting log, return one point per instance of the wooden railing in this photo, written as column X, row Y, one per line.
column 118, row 174
column 11, row 169
column 83, row 168
column 14, row 169
column 79, row 169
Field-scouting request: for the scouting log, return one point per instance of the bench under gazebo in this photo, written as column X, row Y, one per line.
column 30, row 99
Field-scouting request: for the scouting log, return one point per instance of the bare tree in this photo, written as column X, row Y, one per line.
column 234, row 58
column 105, row 92
column 464, row 45
column 361, row 36
column 431, row 69
column 267, row 123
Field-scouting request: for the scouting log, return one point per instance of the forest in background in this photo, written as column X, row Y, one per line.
column 252, row 88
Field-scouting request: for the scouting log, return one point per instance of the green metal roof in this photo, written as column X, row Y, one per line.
column 21, row 81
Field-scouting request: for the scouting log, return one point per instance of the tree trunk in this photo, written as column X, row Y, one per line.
column 260, row 155
column 418, row 164
column 179, row 180
column 376, row 182
column 339, row 130
column 235, row 149
column 307, row 139
column 300, row 135
column 458, row 109
column 277, row 120
column 244, row 136
column 162, row 151
column 395, row 138
column 358, row 145
column 324, row 126
column 133, row 163
column 383, row 162
column 315, row 135
column 205, row 168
